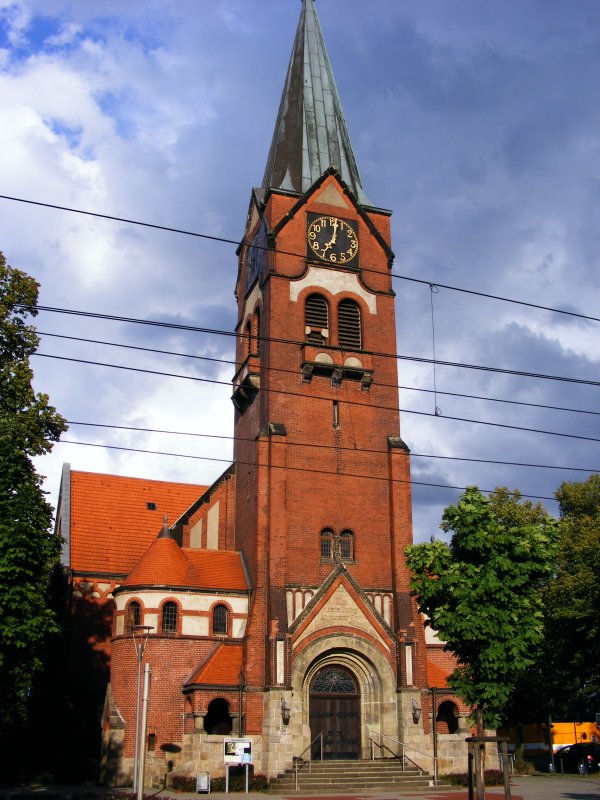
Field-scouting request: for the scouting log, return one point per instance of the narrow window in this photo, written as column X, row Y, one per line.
column 220, row 619
column 336, row 414
column 256, row 331
column 134, row 615
column 248, row 339
column 316, row 319
column 347, row 545
column 327, row 543
column 151, row 742
column 349, row 334
column 169, row 618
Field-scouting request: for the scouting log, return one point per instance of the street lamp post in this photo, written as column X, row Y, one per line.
column 139, row 634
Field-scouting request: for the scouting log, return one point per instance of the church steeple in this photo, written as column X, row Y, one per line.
column 310, row 133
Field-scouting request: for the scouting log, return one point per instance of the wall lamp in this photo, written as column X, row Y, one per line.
column 416, row 711
column 286, row 712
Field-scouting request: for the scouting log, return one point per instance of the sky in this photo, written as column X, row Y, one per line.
column 476, row 122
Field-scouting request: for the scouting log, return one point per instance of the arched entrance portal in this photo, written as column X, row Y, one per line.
column 334, row 710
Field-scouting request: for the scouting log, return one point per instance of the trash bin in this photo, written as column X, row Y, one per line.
column 203, row 782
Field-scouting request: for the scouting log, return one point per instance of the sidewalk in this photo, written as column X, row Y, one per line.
column 528, row 787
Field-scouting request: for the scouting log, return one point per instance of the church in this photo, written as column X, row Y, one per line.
column 275, row 604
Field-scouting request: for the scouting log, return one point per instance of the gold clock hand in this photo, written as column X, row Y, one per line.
column 333, row 239
column 335, row 230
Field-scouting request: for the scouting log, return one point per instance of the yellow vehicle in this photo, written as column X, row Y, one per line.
column 534, row 737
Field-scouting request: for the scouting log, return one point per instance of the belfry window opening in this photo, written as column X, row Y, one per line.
column 316, row 319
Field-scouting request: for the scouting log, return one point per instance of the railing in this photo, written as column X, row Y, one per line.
column 402, row 755
column 299, row 761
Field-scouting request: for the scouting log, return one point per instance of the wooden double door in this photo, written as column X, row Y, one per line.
column 335, row 712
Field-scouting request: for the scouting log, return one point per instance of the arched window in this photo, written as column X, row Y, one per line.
column 447, row 717
column 347, row 545
column 248, row 344
column 134, row 615
column 220, row 620
column 349, row 333
column 169, row 617
column 316, row 319
column 327, row 543
column 256, row 331
column 218, row 719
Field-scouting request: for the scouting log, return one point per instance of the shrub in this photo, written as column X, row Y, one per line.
column 237, row 783
column 183, row 783
column 493, row 777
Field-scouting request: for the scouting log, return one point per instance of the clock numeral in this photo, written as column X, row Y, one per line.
column 312, row 235
column 342, row 257
column 333, row 257
column 315, row 246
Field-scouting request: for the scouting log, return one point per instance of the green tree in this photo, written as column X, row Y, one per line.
column 28, row 550
column 573, row 603
column 482, row 592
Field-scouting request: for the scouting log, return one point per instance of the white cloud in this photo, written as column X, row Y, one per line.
column 477, row 124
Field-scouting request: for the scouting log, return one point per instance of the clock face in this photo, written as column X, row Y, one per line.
column 333, row 240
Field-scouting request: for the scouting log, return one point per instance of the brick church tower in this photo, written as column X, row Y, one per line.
column 323, row 506
column 277, row 602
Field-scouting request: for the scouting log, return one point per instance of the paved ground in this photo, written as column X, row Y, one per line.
column 535, row 787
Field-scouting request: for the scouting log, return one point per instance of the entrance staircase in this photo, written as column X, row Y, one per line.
column 332, row 777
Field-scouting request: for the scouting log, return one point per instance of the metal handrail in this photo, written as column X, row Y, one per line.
column 298, row 759
column 404, row 757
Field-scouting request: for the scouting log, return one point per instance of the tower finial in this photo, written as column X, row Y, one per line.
column 310, row 133
column 165, row 531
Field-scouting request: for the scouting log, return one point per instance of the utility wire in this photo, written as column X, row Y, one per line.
column 236, row 242
column 310, row 470
column 303, row 395
column 232, row 363
column 315, row 446
column 296, row 343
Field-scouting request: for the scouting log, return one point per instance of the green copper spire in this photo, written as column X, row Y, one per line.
column 310, row 132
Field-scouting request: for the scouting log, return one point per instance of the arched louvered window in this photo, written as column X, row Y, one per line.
column 349, row 334
column 327, row 543
column 316, row 319
column 347, row 545
column 219, row 619
column 169, row 617
column 134, row 615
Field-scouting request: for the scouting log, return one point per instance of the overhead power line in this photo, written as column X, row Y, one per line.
column 303, row 395
column 310, row 469
column 297, row 343
column 315, row 446
column 230, row 362
column 236, row 242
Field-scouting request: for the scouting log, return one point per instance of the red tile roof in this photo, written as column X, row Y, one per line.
column 111, row 525
column 167, row 564
column 222, row 667
column 436, row 676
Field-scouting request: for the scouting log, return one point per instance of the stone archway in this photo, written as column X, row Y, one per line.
column 334, row 713
column 373, row 678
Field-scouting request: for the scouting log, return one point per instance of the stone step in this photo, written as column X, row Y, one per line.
column 352, row 776
column 366, row 774
column 306, row 781
column 353, row 786
column 356, row 764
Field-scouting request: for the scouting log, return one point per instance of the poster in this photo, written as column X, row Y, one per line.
column 237, row 751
